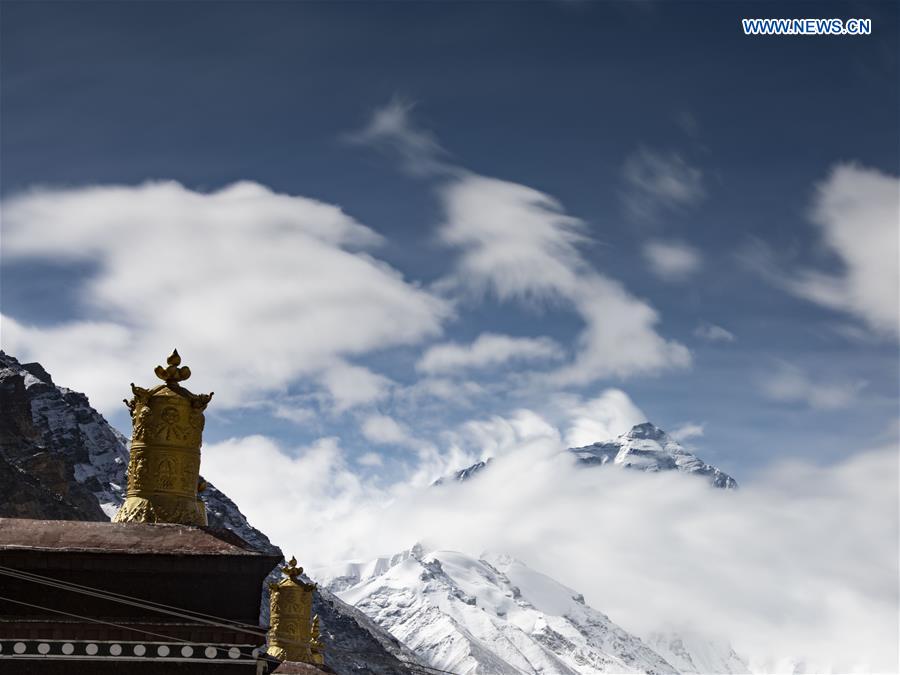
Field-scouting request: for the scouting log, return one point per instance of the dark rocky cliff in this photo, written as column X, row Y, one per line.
column 37, row 467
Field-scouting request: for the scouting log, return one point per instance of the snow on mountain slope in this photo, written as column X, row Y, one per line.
column 648, row 448
column 693, row 653
column 346, row 575
column 63, row 445
column 491, row 615
column 645, row 447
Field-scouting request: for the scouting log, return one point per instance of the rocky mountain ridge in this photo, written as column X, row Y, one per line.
column 58, row 457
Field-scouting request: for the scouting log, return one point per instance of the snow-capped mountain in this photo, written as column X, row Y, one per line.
column 60, row 459
column 489, row 615
column 645, row 447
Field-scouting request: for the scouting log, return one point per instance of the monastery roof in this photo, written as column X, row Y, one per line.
column 103, row 537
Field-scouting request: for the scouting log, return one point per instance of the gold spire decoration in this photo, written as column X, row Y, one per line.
column 293, row 635
column 173, row 374
column 164, row 468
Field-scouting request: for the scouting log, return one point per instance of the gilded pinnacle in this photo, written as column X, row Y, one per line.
column 291, row 570
column 173, row 373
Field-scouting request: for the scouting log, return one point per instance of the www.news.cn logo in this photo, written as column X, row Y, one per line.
column 807, row 26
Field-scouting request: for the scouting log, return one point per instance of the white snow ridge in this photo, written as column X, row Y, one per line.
column 489, row 615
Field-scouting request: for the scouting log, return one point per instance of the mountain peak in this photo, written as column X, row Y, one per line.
column 647, row 431
column 417, row 551
column 648, row 448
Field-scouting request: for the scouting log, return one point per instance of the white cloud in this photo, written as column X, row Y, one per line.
column 370, row 459
column 656, row 182
column 489, row 349
column 292, row 413
column 440, row 389
column 602, row 418
column 713, row 333
column 351, row 385
column 790, row 384
column 518, row 243
column 390, row 127
column 687, row 431
column 672, row 260
column 386, row 430
column 434, row 463
column 514, row 240
column 283, row 491
column 89, row 356
column 619, row 339
column 255, row 289
column 858, row 210
column 498, row 435
column 798, row 566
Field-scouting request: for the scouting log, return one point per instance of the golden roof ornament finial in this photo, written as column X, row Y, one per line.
column 173, row 373
column 164, row 466
column 291, row 571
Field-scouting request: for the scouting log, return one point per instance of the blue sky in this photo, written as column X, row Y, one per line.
column 716, row 178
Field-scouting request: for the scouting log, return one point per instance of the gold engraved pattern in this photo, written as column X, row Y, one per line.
column 168, row 428
column 165, row 473
column 140, row 424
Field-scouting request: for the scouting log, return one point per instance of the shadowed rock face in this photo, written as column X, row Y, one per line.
column 37, row 459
